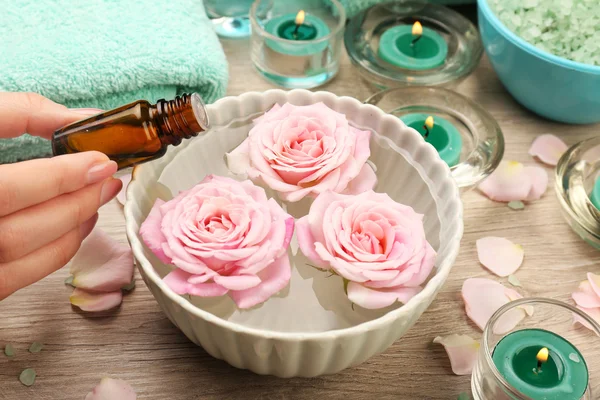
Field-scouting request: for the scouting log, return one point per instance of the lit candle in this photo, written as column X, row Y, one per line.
column 541, row 365
column 440, row 133
column 413, row 47
column 297, row 27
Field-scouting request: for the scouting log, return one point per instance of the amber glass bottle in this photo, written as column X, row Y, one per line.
column 137, row 132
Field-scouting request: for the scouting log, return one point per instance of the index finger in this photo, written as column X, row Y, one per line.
column 34, row 114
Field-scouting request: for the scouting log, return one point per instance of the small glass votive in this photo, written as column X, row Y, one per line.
column 297, row 44
column 466, row 136
column 577, row 182
column 546, row 356
column 380, row 43
column 229, row 17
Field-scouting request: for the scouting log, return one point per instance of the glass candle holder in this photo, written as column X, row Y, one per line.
column 380, row 43
column 229, row 17
column 466, row 136
column 512, row 364
column 577, row 182
column 297, row 44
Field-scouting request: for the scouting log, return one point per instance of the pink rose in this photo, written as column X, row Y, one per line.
column 223, row 236
column 376, row 244
column 303, row 151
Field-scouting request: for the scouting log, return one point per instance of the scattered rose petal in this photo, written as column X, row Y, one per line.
column 122, row 196
column 462, row 351
column 513, row 280
column 585, row 296
column 539, row 182
column 9, row 350
column 112, row 389
column 27, row 377
column 594, row 282
column 95, row 301
column 499, row 255
column 593, row 313
column 483, row 297
column 507, row 183
column 548, row 149
column 516, row 205
column 69, row 280
column 102, row 264
column 36, row 347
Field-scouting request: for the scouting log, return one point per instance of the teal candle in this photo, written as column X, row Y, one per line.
column 443, row 136
column 595, row 195
column 564, row 376
column 429, row 52
column 284, row 27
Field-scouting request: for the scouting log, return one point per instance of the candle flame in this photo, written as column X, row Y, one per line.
column 417, row 29
column 300, row 17
column 429, row 122
column 542, row 355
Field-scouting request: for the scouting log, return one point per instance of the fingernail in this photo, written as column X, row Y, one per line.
column 110, row 189
column 87, row 111
column 86, row 228
column 101, row 171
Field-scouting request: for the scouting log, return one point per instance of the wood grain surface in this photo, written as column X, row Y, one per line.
column 138, row 344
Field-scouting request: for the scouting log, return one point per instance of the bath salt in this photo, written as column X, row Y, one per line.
column 565, row 28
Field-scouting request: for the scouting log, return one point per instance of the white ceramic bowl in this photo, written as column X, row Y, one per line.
column 310, row 328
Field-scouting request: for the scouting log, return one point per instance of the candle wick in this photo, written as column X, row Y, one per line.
column 414, row 41
column 426, row 131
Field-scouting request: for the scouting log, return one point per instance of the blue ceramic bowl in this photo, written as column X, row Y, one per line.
column 551, row 86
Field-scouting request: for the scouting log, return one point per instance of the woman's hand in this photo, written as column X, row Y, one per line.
column 47, row 206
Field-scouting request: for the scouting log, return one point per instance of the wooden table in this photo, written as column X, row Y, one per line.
column 137, row 343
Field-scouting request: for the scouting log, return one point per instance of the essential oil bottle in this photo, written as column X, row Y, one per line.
column 136, row 132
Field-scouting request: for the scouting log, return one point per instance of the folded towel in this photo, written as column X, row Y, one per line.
column 353, row 7
column 106, row 53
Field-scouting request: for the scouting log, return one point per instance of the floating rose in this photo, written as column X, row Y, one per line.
column 303, row 151
column 224, row 237
column 376, row 244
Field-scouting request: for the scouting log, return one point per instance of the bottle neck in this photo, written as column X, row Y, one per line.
column 181, row 118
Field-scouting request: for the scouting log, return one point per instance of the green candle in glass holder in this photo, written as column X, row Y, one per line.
column 541, row 365
column 440, row 133
column 300, row 27
column 413, row 47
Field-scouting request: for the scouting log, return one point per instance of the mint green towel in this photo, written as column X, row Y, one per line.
column 353, row 7
column 105, row 53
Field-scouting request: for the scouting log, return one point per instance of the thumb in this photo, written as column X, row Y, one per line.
column 34, row 114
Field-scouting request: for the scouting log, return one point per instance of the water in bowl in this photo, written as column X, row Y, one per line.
column 314, row 300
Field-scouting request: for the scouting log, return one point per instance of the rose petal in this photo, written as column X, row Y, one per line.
column 483, row 297
column 373, row 298
column 586, row 296
column 112, row 389
column 306, row 242
column 102, row 264
column 539, row 182
column 122, row 196
column 507, row 183
column 238, row 161
column 593, row 313
column 273, row 279
column 594, row 282
column 95, row 301
column 462, row 351
column 237, row 282
column 499, row 255
column 364, row 181
column 151, row 233
column 548, row 149
column 179, row 282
